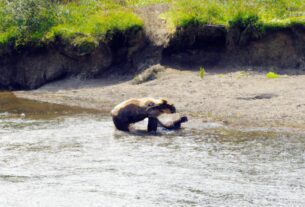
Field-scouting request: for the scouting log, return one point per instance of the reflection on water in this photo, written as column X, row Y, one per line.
column 18, row 107
column 79, row 160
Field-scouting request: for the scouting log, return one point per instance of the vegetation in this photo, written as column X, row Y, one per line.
column 272, row 75
column 81, row 23
column 144, row 2
column 258, row 13
column 84, row 23
column 201, row 72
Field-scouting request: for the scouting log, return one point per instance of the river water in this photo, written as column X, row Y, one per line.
column 52, row 155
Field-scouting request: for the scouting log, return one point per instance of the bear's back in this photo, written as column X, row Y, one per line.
column 134, row 102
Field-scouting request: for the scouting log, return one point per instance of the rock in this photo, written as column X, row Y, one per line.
column 148, row 74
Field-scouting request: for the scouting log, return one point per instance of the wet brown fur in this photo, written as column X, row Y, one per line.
column 135, row 110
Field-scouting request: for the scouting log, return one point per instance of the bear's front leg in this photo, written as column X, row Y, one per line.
column 152, row 124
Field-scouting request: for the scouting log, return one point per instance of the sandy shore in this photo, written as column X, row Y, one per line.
column 238, row 99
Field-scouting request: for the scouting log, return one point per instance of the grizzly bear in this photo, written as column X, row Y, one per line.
column 135, row 110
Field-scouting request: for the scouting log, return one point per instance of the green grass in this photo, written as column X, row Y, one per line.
column 140, row 3
column 201, row 72
column 272, row 75
column 262, row 14
column 84, row 23
column 92, row 26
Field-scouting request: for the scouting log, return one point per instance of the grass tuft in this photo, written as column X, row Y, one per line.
column 272, row 75
column 201, row 72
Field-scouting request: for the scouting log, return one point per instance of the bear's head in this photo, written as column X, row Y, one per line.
column 160, row 106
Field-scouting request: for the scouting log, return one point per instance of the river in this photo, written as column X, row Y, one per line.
column 52, row 155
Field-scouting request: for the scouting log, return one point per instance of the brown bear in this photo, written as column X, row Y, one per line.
column 137, row 109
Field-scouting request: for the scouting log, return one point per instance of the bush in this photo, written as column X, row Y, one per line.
column 27, row 20
column 79, row 22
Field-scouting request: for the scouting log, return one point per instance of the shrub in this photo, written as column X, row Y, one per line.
column 35, row 22
column 27, row 20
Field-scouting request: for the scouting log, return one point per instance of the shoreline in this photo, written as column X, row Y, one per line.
column 136, row 49
column 239, row 99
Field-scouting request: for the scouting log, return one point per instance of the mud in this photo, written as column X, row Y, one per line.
column 30, row 68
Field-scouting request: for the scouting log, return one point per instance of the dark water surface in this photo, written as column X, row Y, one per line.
column 51, row 155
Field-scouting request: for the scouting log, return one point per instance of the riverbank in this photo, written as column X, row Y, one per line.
column 240, row 99
column 150, row 34
column 229, row 94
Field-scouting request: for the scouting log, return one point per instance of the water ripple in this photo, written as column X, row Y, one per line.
column 80, row 160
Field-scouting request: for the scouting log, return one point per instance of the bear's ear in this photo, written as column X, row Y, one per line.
column 164, row 101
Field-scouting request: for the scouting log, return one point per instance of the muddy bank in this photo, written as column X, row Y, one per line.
column 31, row 67
column 135, row 50
column 214, row 45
